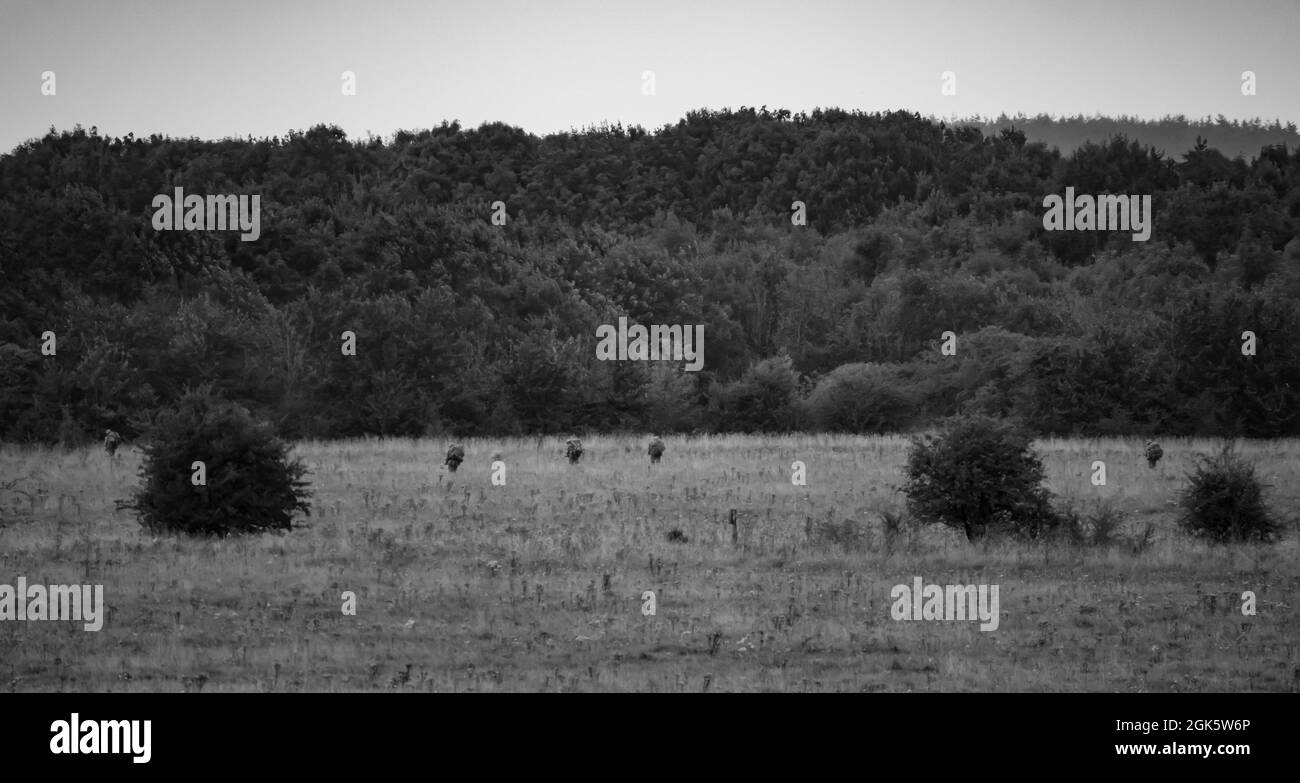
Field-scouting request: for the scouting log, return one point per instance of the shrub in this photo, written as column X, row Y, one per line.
column 251, row 485
column 861, row 398
column 762, row 400
column 1224, row 502
column 1099, row 526
column 893, row 525
column 979, row 476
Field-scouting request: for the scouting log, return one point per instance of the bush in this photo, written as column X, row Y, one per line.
column 979, row 476
column 251, row 485
column 861, row 398
column 762, row 400
column 1224, row 502
column 1099, row 526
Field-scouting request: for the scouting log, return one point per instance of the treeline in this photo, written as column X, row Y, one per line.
column 914, row 228
column 1171, row 135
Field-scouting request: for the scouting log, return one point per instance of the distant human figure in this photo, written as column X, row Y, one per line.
column 455, row 456
column 573, row 449
column 656, row 449
column 1154, row 453
column 111, row 441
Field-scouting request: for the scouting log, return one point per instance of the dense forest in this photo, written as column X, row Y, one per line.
column 914, row 228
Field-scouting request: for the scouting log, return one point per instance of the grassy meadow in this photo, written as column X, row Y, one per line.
column 537, row 585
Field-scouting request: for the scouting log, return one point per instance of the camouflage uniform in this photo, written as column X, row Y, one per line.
column 573, row 449
column 455, row 456
column 1154, row 453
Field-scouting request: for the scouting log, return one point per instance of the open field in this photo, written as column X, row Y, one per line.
column 536, row 586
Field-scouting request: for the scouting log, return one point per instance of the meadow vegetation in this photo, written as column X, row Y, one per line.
column 537, row 585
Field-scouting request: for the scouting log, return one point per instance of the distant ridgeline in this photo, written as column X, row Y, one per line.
column 849, row 272
column 1172, row 135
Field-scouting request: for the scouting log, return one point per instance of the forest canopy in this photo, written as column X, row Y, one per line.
column 914, row 228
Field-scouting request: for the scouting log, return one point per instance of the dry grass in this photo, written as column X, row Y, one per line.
column 535, row 586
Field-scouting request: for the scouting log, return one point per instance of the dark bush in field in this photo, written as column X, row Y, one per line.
column 251, row 484
column 979, row 476
column 1224, row 502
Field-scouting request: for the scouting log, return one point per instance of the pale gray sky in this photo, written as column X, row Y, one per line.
column 262, row 67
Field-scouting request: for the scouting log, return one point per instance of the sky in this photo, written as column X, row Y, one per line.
column 261, row 68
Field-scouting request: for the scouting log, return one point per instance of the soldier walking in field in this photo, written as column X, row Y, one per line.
column 656, row 449
column 111, row 441
column 573, row 449
column 1154, row 453
column 455, row 456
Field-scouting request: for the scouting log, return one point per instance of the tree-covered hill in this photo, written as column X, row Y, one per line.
column 914, row 228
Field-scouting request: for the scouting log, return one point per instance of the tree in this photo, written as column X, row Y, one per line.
column 211, row 469
column 979, row 476
column 762, row 400
column 861, row 398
